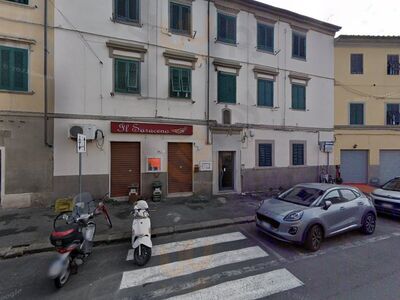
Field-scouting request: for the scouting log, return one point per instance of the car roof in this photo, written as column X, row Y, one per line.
column 324, row 186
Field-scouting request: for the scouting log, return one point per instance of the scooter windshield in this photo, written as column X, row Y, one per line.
column 84, row 204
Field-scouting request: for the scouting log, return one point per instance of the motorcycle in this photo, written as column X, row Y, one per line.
column 141, row 237
column 73, row 240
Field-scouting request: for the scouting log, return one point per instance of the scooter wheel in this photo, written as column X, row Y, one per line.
column 62, row 279
column 144, row 256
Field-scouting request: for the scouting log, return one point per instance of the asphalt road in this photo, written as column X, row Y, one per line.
column 235, row 262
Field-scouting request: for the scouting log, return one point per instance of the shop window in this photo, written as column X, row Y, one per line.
column 180, row 18
column 226, row 28
column 356, row 113
column 265, row 92
column 265, row 37
column 393, row 65
column 265, row 155
column 180, row 82
column 392, row 114
column 298, row 154
column 127, row 76
column 299, row 45
column 226, row 88
column 127, row 10
column 13, row 69
column 298, row 96
column 356, row 64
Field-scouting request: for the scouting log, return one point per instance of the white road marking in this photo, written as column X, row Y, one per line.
column 185, row 267
column 253, row 287
column 190, row 244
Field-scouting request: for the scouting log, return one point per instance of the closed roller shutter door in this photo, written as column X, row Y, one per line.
column 125, row 167
column 354, row 166
column 180, row 167
column 389, row 165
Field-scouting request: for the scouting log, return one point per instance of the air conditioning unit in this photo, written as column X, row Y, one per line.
column 86, row 129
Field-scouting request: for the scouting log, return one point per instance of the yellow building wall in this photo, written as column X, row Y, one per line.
column 375, row 89
column 27, row 22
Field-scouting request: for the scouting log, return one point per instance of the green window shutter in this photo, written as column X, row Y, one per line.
column 180, row 82
column 295, row 97
column 120, row 76
column 176, row 80
column 20, row 70
column 298, row 97
column 356, row 114
column 133, row 10
column 133, row 77
column 5, row 68
column 265, row 37
column 185, row 19
column 226, row 88
column 121, row 9
column 226, row 28
column 186, row 81
column 261, row 36
column 174, row 16
column 265, row 92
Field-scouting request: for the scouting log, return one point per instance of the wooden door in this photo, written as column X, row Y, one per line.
column 180, row 164
column 125, row 167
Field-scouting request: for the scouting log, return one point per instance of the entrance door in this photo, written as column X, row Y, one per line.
column 354, row 166
column 226, row 170
column 125, row 167
column 180, row 173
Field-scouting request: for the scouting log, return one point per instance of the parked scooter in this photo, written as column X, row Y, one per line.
column 74, row 239
column 141, row 237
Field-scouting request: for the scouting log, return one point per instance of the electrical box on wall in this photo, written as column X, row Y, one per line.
column 86, row 129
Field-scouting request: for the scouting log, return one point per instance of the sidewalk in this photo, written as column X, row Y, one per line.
column 26, row 231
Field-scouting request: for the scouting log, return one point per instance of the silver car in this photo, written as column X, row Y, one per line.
column 387, row 198
column 308, row 213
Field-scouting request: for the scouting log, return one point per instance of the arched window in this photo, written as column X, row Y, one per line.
column 226, row 117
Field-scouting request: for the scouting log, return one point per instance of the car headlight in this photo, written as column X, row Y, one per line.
column 294, row 216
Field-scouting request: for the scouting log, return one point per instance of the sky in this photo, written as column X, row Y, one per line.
column 361, row 17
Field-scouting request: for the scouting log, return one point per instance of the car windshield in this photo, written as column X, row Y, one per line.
column 392, row 185
column 301, row 195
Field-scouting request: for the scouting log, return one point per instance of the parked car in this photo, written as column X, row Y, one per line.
column 308, row 213
column 387, row 198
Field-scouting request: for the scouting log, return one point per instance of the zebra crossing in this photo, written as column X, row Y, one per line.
column 238, row 273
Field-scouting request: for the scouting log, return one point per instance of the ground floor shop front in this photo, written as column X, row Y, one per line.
column 181, row 158
column 368, row 156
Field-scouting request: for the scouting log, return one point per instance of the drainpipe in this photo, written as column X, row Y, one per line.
column 46, row 142
column 208, row 74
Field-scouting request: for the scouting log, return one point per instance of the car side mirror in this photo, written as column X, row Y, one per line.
column 327, row 205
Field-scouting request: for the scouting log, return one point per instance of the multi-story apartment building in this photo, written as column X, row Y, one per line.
column 367, row 101
column 26, row 156
column 204, row 96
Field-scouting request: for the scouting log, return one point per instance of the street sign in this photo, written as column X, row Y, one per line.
column 81, row 143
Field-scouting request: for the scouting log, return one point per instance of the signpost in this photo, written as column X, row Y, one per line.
column 80, row 148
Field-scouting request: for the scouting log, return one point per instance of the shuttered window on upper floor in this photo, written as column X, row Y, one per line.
column 265, row 92
column 127, row 76
column 226, row 28
column 13, row 69
column 356, row 114
column 180, row 82
column 356, row 63
column 393, row 65
column 226, row 87
column 393, row 114
column 179, row 18
column 298, row 154
column 20, row 1
column 265, row 155
column 127, row 10
column 299, row 45
column 298, row 96
column 265, row 37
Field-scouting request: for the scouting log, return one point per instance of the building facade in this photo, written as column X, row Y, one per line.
column 206, row 97
column 367, row 100
column 26, row 155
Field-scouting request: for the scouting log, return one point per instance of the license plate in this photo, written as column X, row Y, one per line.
column 387, row 205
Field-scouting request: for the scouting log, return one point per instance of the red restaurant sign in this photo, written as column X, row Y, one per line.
column 146, row 128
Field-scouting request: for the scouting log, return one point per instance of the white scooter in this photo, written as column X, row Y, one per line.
column 141, row 237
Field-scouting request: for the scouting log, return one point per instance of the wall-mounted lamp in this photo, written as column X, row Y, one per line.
column 355, row 146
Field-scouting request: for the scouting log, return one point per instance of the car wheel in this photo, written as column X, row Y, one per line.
column 314, row 238
column 369, row 224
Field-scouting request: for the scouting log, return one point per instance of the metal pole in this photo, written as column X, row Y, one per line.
column 80, row 174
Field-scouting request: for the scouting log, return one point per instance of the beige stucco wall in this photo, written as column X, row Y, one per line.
column 375, row 89
column 26, row 22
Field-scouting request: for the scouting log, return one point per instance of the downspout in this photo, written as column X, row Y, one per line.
column 46, row 142
column 208, row 74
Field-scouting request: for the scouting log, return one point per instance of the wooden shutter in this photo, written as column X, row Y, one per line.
column 265, row 155
column 261, row 36
column 356, row 113
column 270, row 38
column 120, row 75
column 5, row 68
column 261, row 92
column 133, row 77
column 19, row 70
column 302, row 97
column 175, row 75
column 180, row 164
column 231, row 29
column 265, row 92
column 221, row 27
column 295, row 97
column 185, row 80
column 226, row 88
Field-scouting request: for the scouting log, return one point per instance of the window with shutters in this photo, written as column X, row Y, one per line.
column 127, row 10
column 20, row 1
column 265, row 154
column 226, row 28
column 265, row 37
column 298, row 96
column 299, row 45
column 265, row 92
column 180, row 82
column 393, row 65
column 356, row 114
column 392, row 114
column 298, row 154
column 356, row 64
column 226, row 87
column 13, row 69
column 179, row 18
column 127, row 76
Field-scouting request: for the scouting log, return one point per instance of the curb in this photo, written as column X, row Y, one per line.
column 101, row 239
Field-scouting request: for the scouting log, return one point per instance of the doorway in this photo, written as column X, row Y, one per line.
column 180, row 168
column 226, row 169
